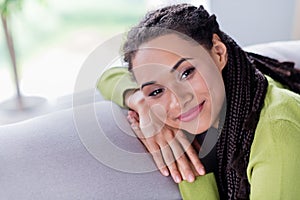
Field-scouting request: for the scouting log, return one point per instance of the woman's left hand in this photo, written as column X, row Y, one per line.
column 171, row 150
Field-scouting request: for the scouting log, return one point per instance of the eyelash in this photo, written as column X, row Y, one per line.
column 187, row 73
column 156, row 92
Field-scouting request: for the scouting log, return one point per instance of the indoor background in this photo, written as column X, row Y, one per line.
column 52, row 38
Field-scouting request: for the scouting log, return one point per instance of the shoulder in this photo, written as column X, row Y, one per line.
column 275, row 153
column 279, row 123
column 280, row 104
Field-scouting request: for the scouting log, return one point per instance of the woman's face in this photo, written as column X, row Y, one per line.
column 181, row 81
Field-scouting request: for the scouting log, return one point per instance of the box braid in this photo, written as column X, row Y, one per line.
column 244, row 81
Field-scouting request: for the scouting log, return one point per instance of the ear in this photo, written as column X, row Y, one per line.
column 218, row 52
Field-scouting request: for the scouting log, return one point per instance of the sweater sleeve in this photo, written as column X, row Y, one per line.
column 204, row 187
column 273, row 170
column 113, row 84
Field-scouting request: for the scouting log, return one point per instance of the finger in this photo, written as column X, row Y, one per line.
column 186, row 169
column 183, row 164
column 191, row 152
column 155, row 151
column 136, row 129
column 133, row 114
column 135, row 126
column 140, row 136
column 170, row 161
column 133, row 120
column 196, row 145
column 129, row 113
column 130, row 119
column 194, row 158
column 175, row 172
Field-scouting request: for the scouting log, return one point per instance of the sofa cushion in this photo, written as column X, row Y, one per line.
column 44, row 158
column 281, row 50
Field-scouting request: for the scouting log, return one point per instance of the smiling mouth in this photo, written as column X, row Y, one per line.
column 192, row 113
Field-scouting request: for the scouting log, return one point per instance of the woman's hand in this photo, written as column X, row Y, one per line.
column 165, row 143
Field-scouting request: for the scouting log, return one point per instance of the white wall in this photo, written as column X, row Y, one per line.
column 256, row 21
column 251, row 21
column 154, row 4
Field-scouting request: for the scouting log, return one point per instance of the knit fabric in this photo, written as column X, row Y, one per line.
column 245, row 92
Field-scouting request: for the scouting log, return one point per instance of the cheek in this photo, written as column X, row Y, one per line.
column 164, row 107
column 159, row 107
column 199, row 86
column 159, row 112
column 173, row 103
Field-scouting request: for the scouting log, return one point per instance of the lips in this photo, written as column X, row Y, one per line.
column 192, row 113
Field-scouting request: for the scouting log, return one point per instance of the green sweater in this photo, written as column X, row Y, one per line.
column 273, row 169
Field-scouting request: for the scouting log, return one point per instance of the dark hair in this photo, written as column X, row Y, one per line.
column 187, row 20
column 192, row 23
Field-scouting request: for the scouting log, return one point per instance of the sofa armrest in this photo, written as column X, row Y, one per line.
column 44, row 158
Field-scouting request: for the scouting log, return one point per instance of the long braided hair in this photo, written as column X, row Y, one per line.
column 244, row 81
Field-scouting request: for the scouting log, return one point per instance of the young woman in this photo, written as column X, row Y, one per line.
column 187, row 71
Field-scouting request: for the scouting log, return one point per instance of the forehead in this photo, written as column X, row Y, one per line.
column 159, row 55
column 172, row 44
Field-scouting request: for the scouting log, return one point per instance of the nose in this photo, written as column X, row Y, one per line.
column 182, row 94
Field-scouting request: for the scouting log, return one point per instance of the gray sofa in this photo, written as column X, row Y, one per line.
column 89, row 152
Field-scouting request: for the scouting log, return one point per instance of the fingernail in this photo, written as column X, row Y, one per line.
column 201, row 171
column 165, row 172
column 177, row 179
column 191, row 178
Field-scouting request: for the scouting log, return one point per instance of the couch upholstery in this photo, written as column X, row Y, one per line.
column 53, row 157
column 44, row 158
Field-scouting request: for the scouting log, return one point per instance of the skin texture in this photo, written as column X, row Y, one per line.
column 157, row 119
column 189, row 97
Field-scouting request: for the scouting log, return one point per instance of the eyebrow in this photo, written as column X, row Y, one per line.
column 148, row 83
column 172, row 70
column 179, row 63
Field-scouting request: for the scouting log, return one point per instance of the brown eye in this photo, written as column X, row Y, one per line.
column 155, row 92
column 187, row 73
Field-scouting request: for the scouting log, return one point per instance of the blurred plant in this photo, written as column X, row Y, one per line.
column 7, row 8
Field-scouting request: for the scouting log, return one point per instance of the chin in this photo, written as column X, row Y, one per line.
column 195, row 131
column 186, row 126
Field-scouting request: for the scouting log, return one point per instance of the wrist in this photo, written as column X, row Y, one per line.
column 134, row 99
column 127, row 97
